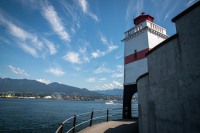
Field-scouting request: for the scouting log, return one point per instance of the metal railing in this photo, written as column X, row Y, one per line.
column 90, row 121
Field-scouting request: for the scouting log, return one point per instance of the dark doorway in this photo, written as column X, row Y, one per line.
column 129, row 90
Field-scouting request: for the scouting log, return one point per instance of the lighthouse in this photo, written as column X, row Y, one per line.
column 138, row 41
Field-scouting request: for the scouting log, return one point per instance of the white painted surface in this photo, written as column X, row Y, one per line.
column 134, row 70
column 156, row 27
column 139, row 42
column 154, row 40
column 140, row 38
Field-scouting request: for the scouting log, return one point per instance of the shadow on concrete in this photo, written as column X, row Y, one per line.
column 125, row 128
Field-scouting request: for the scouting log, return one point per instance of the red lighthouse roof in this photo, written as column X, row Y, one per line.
column 142, row 18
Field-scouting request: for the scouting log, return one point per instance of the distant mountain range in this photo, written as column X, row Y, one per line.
column 112, row 92
column 33, row 86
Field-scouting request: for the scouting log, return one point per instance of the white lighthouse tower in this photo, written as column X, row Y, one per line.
column 138, row 41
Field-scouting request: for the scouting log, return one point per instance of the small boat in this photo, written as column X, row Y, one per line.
column 109, row 102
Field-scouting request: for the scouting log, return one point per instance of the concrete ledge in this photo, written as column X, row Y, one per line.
column 141, row 76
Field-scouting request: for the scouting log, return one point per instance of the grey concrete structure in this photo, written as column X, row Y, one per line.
column 169, row 94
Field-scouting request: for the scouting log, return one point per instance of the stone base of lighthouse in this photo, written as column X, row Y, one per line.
column 129, row 90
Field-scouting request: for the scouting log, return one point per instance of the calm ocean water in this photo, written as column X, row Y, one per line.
column 39, row 115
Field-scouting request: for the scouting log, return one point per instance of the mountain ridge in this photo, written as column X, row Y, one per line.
column 112, row 92
column 33, row 86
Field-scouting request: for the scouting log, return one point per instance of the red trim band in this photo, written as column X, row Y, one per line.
column 136, row 56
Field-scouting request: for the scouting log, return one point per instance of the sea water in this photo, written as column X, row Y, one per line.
column 40, row 115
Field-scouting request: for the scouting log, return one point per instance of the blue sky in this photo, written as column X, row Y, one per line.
column 74, row 42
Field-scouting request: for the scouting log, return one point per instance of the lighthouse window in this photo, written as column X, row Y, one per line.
column 135, row 55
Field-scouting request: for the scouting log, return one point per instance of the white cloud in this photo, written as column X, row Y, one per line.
column 139, row 6
column 93, row 16
column 27, row 41
column 18, row 70
column 4, row 40
column 43, row 81
column 51, row 46
column 109, row 86
column 83, row 4
column 29, row 4
column 77, row 68
column 103, row 39
column 118, row 56
column 110, row 47
column 18, row 32
column 53, row 19
column 117, row 84
column 120, row 68
column 84, row 55
column 102, row 69
column 73, row 13
column 29, row 50
column 85, row 8
column 172, row 9
column 73, row 30
column 86, row 58
column 70, row 10
column 118, row 72
column 129, row 10
column 72, row 57
column 163, row 10
column 133, row 12
column 118, row 75
column 91, row 80
column 82, row 50
column 55, row 71
column 77, row 57
column 23, row 35
column 98, row 54
column 102, row 79
column 191, row 2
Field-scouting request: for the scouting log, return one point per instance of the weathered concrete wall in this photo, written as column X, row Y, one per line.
column 143, row 86
column 188, row 28
column 169, row 96
column 164, row 89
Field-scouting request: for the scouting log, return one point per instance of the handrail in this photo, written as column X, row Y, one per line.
column 61, row 127
column 70, row 130
column 100, row 110
column 100, row 117
column 67, row 120
column 83, row 114
column 82, row 123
